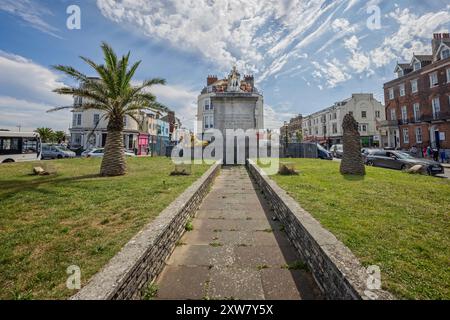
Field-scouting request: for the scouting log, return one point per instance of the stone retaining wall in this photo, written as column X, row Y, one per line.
column 335, row 268
column 143, row 258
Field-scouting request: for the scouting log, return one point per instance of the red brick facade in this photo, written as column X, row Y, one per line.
column 437, row 120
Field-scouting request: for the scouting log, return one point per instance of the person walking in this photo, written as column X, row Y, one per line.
column 429, row 152
column 435, row 154
column 443, row 155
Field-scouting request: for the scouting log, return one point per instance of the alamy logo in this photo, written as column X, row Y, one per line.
column 74, row 19
column 373, row 281
column 73, row 282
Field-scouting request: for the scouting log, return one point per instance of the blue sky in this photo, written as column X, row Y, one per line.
column 305, row 55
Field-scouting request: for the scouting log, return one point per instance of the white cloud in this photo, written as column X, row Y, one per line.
column 26, row 94
column 413, row 35
column 180, row 99
column 275, row 119
column 333, row 71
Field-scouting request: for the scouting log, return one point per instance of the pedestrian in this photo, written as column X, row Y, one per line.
column 429, row 152
column 424, row 152
column 443, row 155
column 435, row 154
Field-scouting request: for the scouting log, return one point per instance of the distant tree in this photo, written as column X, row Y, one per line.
column 115, row 95
column 299, row 135
column 352, row 161
column 59, row 136
column 47, row 134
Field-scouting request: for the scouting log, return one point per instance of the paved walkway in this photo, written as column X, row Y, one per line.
column 235, row 250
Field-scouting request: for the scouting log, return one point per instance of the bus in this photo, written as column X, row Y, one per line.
column 19, row 146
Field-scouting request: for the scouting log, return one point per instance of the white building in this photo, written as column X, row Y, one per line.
column 89, row 129
column 325, row 126
column 230, row 103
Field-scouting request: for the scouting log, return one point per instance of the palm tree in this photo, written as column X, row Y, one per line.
column 112, row 93
column 59, row 136
column 46, row 134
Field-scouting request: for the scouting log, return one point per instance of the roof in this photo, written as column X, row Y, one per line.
column 424, row 57
column 18, row 134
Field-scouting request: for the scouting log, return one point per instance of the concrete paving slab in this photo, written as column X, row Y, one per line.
column 236, row 250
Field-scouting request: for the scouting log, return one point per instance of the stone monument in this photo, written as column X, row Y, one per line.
column 352, row 161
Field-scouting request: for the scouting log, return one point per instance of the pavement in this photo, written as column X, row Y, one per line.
column 235, row 250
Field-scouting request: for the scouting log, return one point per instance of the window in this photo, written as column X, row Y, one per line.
column 76, row 120
column 417, row 65
column 208, row 104
column 335, row 128
column 96, row 119
column 362, row 127
column 363, row 114
column 393, row 115
column 414, row 86
column 334, row 116
column 29, row 145
column 405, row 135
column 391, row 93
column 400, row 73
column 404, row 114
column 448, row 75
column 416, row 112
column 402, row 90
column 208, row 122
column 445, row 54
column 124, row 121
column 377, row 114
column 434, row 80
column 9, row 145
column 435, row 103
column 419, row 135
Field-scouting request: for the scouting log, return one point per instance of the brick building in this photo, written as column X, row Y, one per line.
column 418, row 101
column 292, row 130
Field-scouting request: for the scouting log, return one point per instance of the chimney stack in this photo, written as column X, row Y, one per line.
column 210, row 80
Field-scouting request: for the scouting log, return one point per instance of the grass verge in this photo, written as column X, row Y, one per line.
column 397, row 221
column 75, row 217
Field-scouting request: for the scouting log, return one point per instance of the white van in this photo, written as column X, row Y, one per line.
column 19, row 146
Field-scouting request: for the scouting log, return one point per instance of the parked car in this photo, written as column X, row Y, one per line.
column 337, row 150
column 366, row 151
column 99, row 152
column 50, row 151
column 401, row 161
column 323, row 153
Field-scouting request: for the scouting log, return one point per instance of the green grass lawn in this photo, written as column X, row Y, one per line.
column 75, row 218
column 388, row 218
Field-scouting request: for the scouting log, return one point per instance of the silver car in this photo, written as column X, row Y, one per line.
column 50, row 151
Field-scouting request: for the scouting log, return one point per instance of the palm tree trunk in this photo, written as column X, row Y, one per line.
column 113, row 163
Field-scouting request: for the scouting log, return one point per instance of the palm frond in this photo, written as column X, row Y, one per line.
column 110, row 57
column 72, row 72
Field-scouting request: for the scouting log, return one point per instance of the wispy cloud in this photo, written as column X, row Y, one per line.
column 30, row 12
column 270, row 37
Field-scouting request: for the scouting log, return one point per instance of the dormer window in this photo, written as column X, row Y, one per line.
column 400, row 73
column 417, row 65
column 445, row 53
